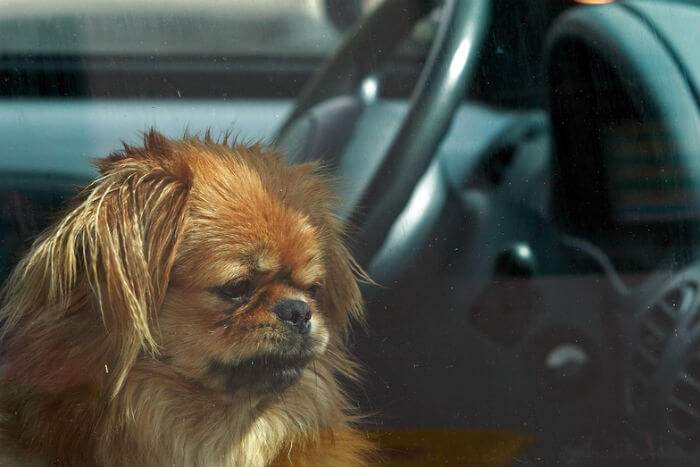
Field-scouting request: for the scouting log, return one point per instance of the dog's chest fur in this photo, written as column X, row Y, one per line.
column 162, row 424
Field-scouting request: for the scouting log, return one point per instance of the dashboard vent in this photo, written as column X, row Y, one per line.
column 659, row 325
column 684, row 403
column 666, row 365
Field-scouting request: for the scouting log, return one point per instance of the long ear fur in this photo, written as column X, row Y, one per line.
column 108, row 259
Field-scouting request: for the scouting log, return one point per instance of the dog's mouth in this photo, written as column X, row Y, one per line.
column 269, row 373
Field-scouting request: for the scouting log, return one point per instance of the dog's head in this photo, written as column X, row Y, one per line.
column 218, row 261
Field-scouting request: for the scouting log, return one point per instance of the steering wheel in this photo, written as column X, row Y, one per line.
column 326, row 111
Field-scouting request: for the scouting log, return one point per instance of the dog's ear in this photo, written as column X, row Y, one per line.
column 139, row 212
column 109, row 257
column 340, row 297
column 341, row 293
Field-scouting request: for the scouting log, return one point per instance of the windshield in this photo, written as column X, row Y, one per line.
column 396, row 233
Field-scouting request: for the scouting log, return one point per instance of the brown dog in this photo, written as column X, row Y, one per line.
column 192, row 308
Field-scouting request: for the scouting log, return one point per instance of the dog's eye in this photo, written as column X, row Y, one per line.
column 236, row 290
column 313, row 290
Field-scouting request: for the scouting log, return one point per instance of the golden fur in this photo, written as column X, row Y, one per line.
column 118, row 349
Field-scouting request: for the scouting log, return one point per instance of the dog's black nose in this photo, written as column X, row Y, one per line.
column 295, row 314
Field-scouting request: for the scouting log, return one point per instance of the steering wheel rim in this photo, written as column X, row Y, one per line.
column 447, row 72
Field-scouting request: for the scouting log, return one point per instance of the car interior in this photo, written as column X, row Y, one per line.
column 521, row 178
